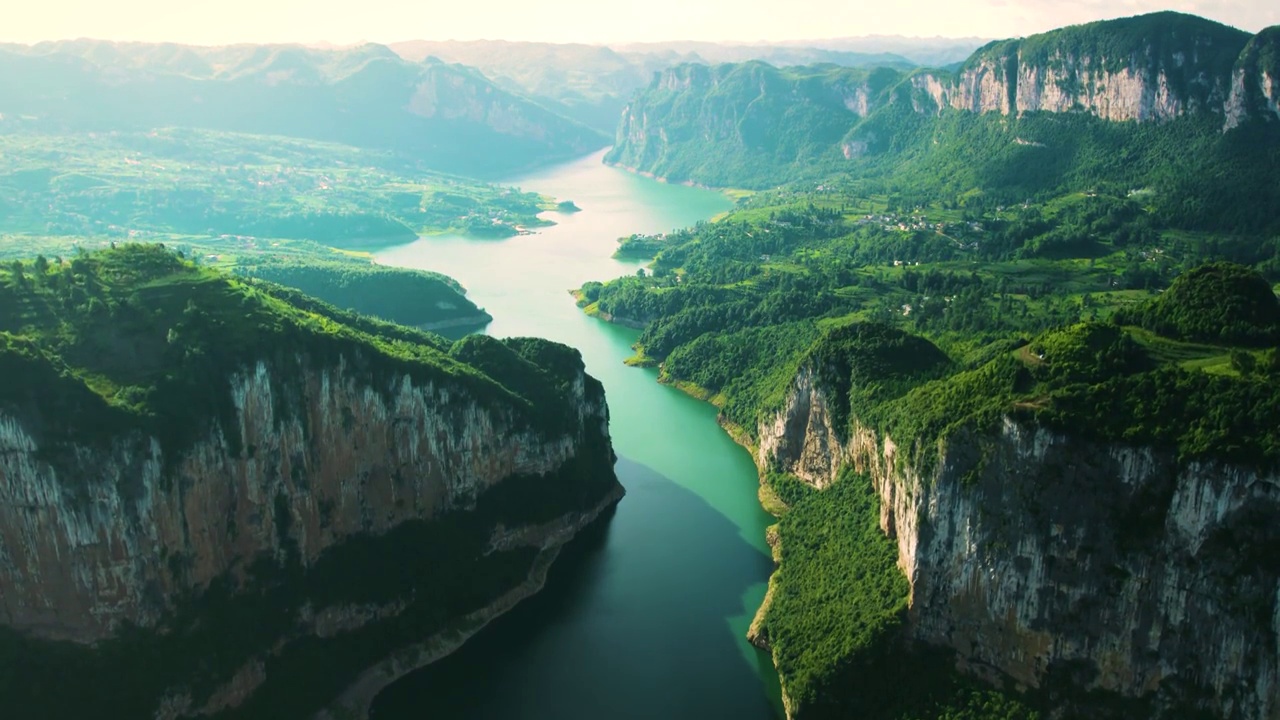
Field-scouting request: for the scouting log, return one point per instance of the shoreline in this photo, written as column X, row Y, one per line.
column 469, row 321
column 592, row 310
column 770, row 503
column 729, row 192
column 357, row 699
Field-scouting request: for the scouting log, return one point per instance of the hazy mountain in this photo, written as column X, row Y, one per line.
column 447, row 116
column 591, row 83
column 927, row 52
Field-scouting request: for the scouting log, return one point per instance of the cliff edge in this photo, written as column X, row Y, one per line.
column 220, row 497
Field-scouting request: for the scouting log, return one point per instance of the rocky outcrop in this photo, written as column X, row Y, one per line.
column 99, row 537
column 1149, row 68
column 733, row 124
column 1255, row 82
column 737, row 110
column 1060, row 562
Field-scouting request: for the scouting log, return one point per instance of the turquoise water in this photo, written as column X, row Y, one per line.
column 645, row 616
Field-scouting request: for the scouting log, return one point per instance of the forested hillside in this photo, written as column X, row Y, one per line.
column 424, row 300
column 1114, row 106
column 944, row 277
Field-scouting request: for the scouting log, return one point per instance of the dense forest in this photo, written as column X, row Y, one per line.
column 409, row 297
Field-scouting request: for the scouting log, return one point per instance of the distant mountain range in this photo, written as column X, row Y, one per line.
column 483, row 109
column 449, row 117
column 592, row 83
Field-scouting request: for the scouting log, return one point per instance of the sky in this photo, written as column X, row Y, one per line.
column 204, row 22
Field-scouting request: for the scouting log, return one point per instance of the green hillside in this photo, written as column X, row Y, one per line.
column 1215, row 303
column 192, row 182
column 138, row 337
column 409, row 297
column 892, row 132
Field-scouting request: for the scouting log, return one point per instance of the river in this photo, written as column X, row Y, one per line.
column 645, row 615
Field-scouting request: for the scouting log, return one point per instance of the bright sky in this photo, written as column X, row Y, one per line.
column 598, row 21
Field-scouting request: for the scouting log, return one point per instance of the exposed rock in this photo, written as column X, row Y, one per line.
column 721, row 125
column 1042, row 557
column 1255, row 82
column 103, row 536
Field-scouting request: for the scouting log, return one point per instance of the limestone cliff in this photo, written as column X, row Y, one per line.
column 106, row 536
column 338, row 506
column 754, row 125
column 1152, row 67
column 1255, row 82
column 1060, row 562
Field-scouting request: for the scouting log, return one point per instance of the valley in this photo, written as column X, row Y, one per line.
column 942, row 377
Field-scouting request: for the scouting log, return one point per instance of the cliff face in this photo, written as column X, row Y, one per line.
column 1065, row 563
column 1155, row 67
column 721, row 125
column 1009, row 86
column 95, row 539
column 112, row 535
column 1255, row 82
column 694, row 121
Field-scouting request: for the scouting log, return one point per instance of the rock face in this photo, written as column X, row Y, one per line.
column 97, row 538
column 694, row 120
column 1152, row 67
column 1255, row 82
column 720, row 125
column 1063, row 563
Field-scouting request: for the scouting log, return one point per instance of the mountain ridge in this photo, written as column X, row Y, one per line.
column 449, row 117
column 1197, row 103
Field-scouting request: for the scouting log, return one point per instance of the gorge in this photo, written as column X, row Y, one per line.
column 960, row 400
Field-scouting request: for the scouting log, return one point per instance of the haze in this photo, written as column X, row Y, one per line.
column 258, row 21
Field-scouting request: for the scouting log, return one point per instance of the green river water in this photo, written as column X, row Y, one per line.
column 644, row 616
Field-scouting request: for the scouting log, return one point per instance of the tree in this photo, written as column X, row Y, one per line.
column 1243, row 362
column 640, row 273
column 1271, row 362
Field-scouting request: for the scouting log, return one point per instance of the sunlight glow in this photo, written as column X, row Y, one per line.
column 262, row 21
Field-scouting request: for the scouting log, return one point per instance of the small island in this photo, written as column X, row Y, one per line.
column 567, row 206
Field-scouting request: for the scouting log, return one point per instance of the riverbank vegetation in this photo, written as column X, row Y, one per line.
column 836, row 619
column 741, row 304
column 935, row 299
